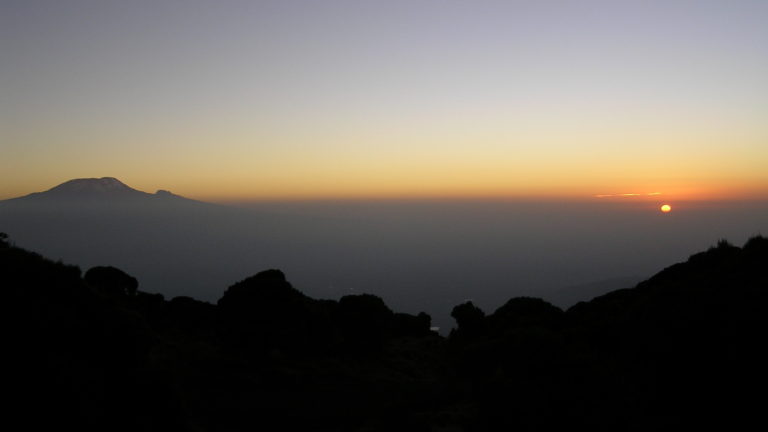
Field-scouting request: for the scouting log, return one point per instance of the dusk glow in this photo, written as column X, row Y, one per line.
column 348, row 215
column 238, row 100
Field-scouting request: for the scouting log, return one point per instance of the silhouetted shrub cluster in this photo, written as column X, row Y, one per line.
column 265, row 313
column 112, row 281
column 683, row 349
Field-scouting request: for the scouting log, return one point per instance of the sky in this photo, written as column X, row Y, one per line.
column 247, row 100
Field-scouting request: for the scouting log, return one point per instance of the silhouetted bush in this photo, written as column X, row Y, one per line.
column 684, row 349
column 265, row 312
column 470, row 320
column 365, row 321
column 189, row 317
column 525, row 312
column 756, row 246
column 410, row 325
column 112, row 281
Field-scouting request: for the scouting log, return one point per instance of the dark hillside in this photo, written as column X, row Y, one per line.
column 685, row 348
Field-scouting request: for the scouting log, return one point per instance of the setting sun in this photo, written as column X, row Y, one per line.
column 666, row 208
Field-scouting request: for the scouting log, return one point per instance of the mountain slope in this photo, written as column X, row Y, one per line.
column 88, row 355
column 684, row 349
column 105, row 222
column 427, row 256
column 92, row 186
column 105, row 190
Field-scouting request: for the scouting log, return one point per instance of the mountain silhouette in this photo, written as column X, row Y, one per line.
column 92, row 190
column 335, row 247
column 683, row 349
column 104, row 222
column 91, row 185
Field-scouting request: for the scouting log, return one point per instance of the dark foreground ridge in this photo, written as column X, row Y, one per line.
column 684, row 349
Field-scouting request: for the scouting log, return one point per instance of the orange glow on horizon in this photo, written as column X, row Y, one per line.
column 627, row 195
column 544, row 194
column 318, row 183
